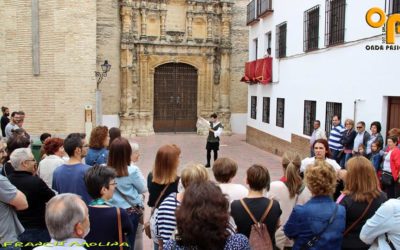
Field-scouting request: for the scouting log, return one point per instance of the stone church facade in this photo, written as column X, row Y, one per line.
column 172, row 60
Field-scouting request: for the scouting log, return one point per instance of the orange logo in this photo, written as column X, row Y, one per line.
column 391, row 22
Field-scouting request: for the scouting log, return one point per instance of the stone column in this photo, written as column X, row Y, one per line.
column 163, row 16
column 224, row 109
column 144, row 102
column 209, row 28
column 189, row 26
column 126, row 56
column 143, row 13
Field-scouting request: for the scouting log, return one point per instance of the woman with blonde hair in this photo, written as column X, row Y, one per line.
column 288, row 191
column 162, row 181
column 361, row 197
column 165, row 218
column 348, row 141
column 320, row 222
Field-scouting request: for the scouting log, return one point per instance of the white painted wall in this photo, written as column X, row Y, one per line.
column 238, row 123
column 341, row 73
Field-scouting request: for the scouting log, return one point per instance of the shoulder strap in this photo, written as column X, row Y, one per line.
column 264, row 216
column 119, row 228
column 358, row 220
column 312, row 242
column 390, row 243
column 124, row 196
column 251, row 214
column 161, row 194
column 248, row 211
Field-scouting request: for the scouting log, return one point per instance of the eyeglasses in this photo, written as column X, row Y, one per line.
column 113, row 184
column 359, row 127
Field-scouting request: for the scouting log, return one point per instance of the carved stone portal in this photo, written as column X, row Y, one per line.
column 160, row 32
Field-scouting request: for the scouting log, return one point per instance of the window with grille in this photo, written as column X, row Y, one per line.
column 335, row 21
column 280, row 112
column 332, row 108
column 394, row 6
column 281, row 31
column 309, row 116
column 311, row 29
column 266, row 109
column 253, row 113
column 267, row 41
column 255, row 42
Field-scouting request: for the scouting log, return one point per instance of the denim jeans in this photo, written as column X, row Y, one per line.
column 34, row 235
column 344, row 159
column 135, row 222
column 336, row 155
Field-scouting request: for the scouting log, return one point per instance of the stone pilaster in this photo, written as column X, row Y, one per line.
column 143, row 30
column 224, row 109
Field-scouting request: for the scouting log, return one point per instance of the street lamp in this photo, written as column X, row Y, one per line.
column 100, row 75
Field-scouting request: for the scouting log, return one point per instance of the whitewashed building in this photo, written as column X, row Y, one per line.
column 326, row 60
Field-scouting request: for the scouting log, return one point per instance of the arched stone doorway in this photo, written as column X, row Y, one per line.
column 175, row 98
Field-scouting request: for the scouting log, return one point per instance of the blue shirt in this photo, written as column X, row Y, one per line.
column 70, row 179
column 308, row 220
column 132, row 186
column 96, row 156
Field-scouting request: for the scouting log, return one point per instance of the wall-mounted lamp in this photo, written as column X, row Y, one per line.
column 100, row 75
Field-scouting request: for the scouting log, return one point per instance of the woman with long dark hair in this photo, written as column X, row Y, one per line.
column 130, row 184
column 203, row 219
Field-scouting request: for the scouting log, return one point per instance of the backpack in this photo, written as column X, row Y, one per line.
column 259, row 236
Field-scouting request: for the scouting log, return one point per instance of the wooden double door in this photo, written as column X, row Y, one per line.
column 393, row 113
column 175, row 98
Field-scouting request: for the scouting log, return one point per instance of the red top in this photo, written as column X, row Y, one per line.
column 395, row 162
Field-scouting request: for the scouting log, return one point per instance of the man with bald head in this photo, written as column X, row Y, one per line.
column 67, row 220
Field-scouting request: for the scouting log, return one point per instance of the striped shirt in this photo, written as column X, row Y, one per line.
column 165, row 219
column 335, row 137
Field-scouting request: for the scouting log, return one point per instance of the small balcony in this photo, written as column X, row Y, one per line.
column 257, row 9
column 264, row 7
column 258, row 71
column 251, row 12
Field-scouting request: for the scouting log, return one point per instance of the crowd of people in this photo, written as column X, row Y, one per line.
column 91, row 195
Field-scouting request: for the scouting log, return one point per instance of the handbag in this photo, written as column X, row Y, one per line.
column 146, row 226
column 387, row 178
column 134, row 208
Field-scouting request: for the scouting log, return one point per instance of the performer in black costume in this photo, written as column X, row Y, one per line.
column 215, row 131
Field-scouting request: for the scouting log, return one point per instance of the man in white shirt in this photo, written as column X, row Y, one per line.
column 362, row 136
column 13, row 124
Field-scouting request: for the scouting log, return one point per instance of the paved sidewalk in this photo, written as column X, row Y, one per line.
column 193, row 149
